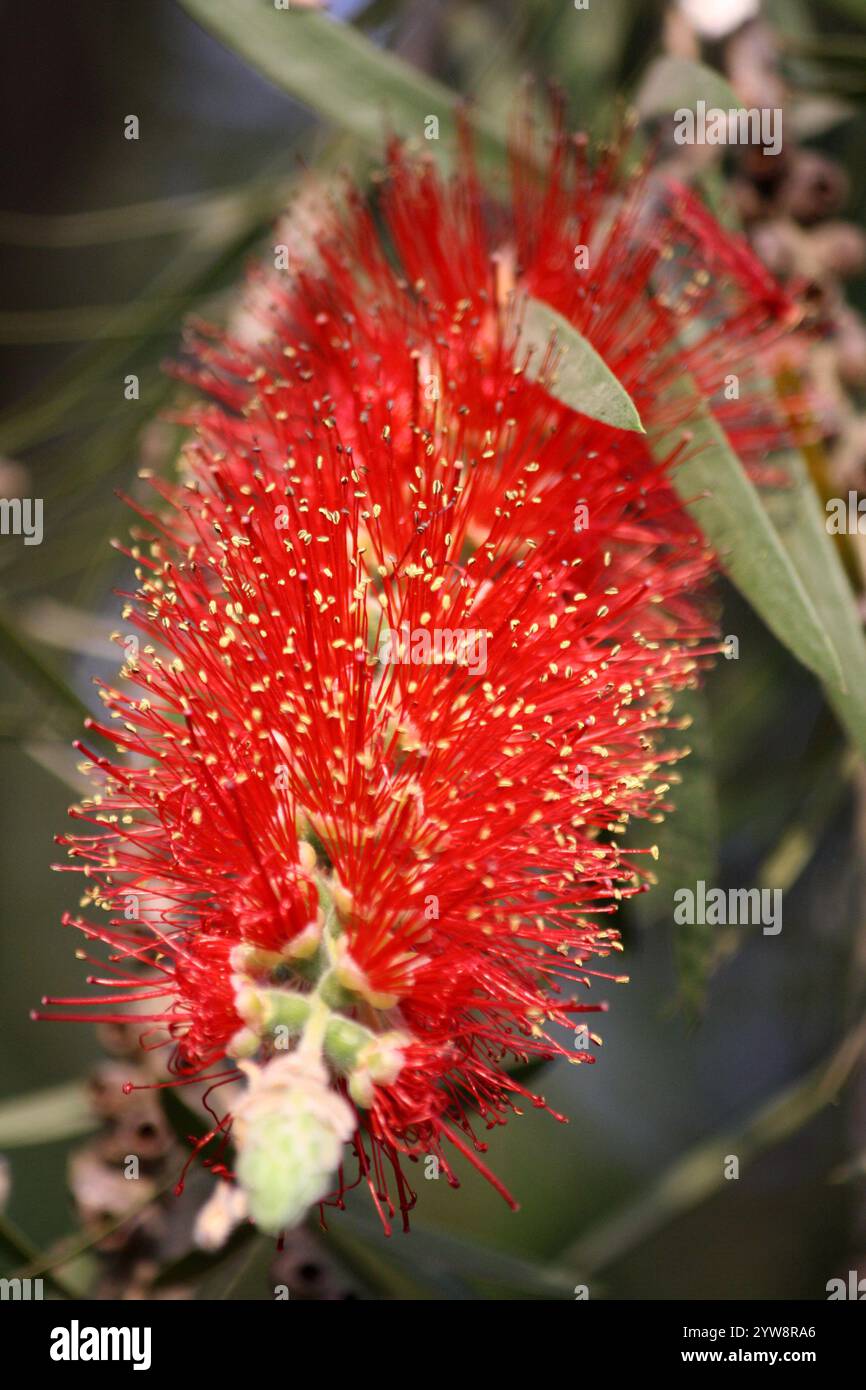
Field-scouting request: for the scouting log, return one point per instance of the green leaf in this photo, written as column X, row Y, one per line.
column 84, row 323
column 580, row 379
column 190, row 1126
column 382, row 1278
column 844, row 48
column 59, row 1112
column 804, row 830
column 337, row 72
column 670, row 83
column 186, row 1124
column 855, row 9
column 355, row 1256
column 688, row 852
column 14, row 1243
column 17, row 652
column 66, row 1254
column 193, row 271
column 688, row 846
column 524, row 1072
column 700, row 1172
column 430, row 1254
column 197, row 1264
column 801, row 525
column 250, row 1277
column 731, row 514
column 221, row 210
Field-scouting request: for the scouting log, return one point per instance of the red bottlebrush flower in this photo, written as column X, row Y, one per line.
column 411, row 630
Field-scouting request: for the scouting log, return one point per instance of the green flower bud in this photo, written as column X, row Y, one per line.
column 378, row 1062
column 263, row 1010
column 290, row 1128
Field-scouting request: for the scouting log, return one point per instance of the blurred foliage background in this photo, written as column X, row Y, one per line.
column 743, row 1044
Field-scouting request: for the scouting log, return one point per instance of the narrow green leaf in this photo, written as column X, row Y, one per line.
column 197, row 1264
column 732, row 516
column 842, row 47
column 15, row 1243
column 700, row 1172
column 59, row 1112
column 190, row 1126
column 17, row 652
column 19, row 722
column 194, row 271
column 804, row 830
column 250, row 1278
column 688, row 847
column 65, row 1254
column 670, row 83
column 377, row 1277
column 430, row 1253
column 855, row 9
column 580, row 378
column 853, row 1168
column 185, row 1123
column 801, row 525
column 688, row 852
column 332, row 68
column 85, row 323
column 59, row 762
column 221, row 211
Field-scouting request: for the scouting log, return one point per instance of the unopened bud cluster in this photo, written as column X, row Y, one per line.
column 293, row 1120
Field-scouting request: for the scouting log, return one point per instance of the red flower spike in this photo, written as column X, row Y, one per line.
column 410, row 630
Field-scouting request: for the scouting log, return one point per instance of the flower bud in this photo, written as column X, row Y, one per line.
column 290, row 1128
column 379, row 1062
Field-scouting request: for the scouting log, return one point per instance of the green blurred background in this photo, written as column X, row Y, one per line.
column 747, row 1045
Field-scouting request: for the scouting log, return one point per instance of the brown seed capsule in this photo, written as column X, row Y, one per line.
column 816, row 187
